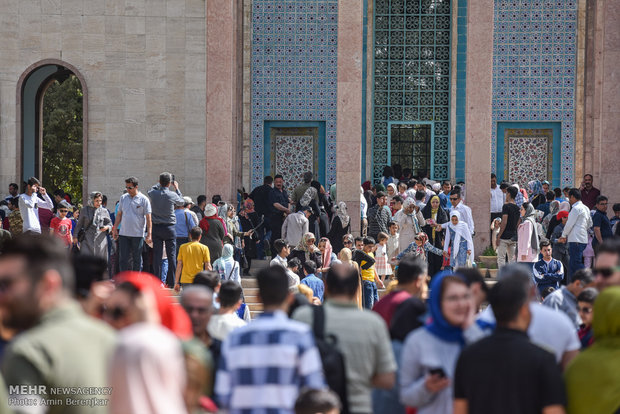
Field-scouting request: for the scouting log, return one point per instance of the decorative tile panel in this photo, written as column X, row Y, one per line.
column 412, row 74
column 534, row 69
column 294, row 71
column 294, row 155
column 529, row 155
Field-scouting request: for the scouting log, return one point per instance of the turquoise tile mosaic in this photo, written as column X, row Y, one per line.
column 534, row 70
column 294, row 72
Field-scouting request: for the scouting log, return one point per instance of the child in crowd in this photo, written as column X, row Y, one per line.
column 392, row 243
column 60, row 225
column 560, row 250
column 227, row 319
column 312, row 281
column 419, row 248
column 370, row 278
column 585, row 306
column 384, row 269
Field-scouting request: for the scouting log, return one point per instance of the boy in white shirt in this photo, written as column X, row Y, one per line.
column 227, row 319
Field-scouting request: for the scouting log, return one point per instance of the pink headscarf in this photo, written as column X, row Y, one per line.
column 327, row 253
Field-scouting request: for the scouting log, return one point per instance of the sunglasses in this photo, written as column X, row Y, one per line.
column 115, row 313
column 62, row 211
column 130, row 188
column 606, row 271
column 584, row 310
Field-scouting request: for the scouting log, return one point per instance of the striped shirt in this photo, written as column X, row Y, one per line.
column 265, row 364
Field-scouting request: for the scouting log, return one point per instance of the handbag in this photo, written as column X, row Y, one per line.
column 82, row 233
column 468, row 262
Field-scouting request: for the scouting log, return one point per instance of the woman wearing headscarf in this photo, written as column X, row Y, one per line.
column 436, row 346
column 391, row 191
column 96, row 223
column 554, row 208
column 434, row 214
column 227, row 266
column 410, row 222
column 249, row 220
column 346, row 259
column 328, row 257
column 593, row 377
column 537, row 194
column 324, row 207
column 340, row 226
column 527, row 233
column 213, row 232
column 309, row 199
column 306, row 250
column 458, row 240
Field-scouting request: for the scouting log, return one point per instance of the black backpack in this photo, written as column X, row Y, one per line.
column 331, row 357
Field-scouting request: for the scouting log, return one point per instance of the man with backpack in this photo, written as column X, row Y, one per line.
column 360, row 335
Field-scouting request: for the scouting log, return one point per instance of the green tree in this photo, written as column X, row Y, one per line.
column 62, row 137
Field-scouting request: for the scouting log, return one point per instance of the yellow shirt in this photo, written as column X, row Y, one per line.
column 194, row 255
column 368, row 274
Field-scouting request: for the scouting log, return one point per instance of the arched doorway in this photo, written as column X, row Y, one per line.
column 52, row 127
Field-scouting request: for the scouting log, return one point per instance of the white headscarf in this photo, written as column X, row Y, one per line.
column 308, row 196
column 461, row 230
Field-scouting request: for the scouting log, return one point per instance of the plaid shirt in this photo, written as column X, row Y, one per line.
column 264, row 365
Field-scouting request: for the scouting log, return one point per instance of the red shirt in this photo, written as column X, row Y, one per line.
column 589, row 197
column 62, row 228
column 388, row 304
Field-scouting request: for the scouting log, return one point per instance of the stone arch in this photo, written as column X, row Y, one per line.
column 31, row 87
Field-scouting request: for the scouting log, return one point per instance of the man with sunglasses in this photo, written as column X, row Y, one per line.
column 134, row 211
column 607, row 265
column 58, row 344
column 564, row 299
column 465, row 211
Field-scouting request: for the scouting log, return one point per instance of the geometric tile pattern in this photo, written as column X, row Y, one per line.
column 412, row 75
column 294, row 72
column 534, row 69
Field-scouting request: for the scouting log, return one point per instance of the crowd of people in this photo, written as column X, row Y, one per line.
column 81, row 308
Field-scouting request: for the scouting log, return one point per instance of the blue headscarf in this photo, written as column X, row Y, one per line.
column 439, row 326
column 536, row 188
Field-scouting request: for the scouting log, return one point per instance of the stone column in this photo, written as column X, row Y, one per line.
column 478, row 120
column 223, row 100
column 602, row 95
column 349, row 121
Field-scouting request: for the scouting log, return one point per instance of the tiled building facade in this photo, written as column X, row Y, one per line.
column 223, row 92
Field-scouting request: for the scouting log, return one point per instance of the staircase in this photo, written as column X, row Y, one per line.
column 250, row 288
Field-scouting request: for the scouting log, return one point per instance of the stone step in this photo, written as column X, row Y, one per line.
column 250, row 291
column 251, row 299
column 249, row 282
column 255, row 306
column 260, row 264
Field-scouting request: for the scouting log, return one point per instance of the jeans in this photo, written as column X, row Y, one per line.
column 164, row 233
column 575, row 262
column 164, row 269
column 370, row 294
column 130, row 248
column 506, row 247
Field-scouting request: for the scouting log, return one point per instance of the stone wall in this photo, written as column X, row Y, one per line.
column 144, row 63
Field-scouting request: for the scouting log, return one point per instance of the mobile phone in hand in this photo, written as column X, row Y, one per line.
column 438, row 371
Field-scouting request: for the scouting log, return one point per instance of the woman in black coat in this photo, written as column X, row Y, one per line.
column 305, row 251
column 433, row 213
column 341, row 224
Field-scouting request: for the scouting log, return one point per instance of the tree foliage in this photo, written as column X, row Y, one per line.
column 62, row 137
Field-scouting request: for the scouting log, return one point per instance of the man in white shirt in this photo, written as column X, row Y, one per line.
column 576, row 231
column 296, row 225
column 283, row 251
column 29, row 204
column 465, row 211
column 134, row 211
column 497, row 199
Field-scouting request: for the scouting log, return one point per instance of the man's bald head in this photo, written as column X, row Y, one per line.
column 197, row 301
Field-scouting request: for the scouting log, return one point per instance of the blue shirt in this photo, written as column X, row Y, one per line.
column 134, row 211
column 265, row 364
column 184, row 224
column 444, row 201
column 601, row 220
column 316, row 284
column 548, row 274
